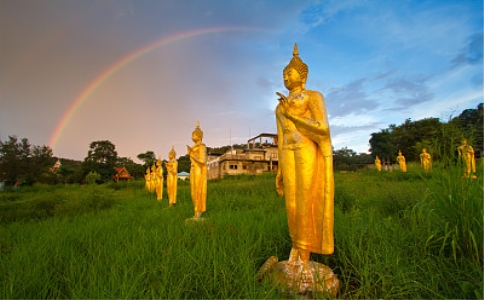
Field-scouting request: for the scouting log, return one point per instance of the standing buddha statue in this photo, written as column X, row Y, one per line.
column 172, row 176
column 198, row 172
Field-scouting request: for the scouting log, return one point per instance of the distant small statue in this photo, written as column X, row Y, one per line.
column 198, row 172
column 402, row 162
column 159, row 180
column 466, row 153
column 425, row 160
column 378, row 163
column 148, row 179
column 172, row 177
column 55, row 168
column 153, row 179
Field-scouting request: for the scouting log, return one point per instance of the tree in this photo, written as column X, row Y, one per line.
column 471, row 122
column 440, row 139
column 184, row 163
column 346, row 159
column 93, row 177
column 13, row 158
column 20, row 161
column 70, row 171
column 148, row 158
column 381, row 143
column 39, row 162
column 101, row 158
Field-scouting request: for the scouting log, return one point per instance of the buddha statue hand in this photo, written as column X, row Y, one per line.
column 282, row 98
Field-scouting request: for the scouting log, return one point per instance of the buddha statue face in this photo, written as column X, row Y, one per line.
column 464, row 142
column 196, row 137
column 424, row 150
column 292, row 78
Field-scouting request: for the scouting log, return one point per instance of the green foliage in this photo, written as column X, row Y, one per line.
column 148, row 158
column 40, row 202
column 20, row 161
column 453, row 207
column 101, row 158
column 117, row 241
column 184, row 163
column 93, row 177
column 346, row 159
column 440, row 139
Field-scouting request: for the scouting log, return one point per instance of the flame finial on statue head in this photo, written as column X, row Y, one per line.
column 172, row 152
column 296, row 51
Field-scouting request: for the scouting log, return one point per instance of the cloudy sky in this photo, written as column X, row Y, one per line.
column 141, row 73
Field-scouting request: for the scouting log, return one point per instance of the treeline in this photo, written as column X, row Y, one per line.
column 440, row 138
column 22, row 162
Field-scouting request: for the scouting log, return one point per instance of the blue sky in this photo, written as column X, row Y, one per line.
column 376, row 62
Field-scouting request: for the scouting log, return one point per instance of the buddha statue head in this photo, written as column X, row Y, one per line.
column 299, row 66
column 172, row 153
column 197, row 134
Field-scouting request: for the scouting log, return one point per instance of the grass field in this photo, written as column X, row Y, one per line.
column 397, row 235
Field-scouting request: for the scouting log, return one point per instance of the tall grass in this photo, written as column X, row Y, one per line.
column 389, row 236
column 453, row 208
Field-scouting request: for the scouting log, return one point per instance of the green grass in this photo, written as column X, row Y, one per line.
column 117, row 241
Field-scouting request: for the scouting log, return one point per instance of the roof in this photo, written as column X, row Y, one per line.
column 183, row 173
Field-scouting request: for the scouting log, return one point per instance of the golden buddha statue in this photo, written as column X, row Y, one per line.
column 172, row 177
column 198, row 172
column 153, row 179
column 159, row 180
column 378, row 163
column 305, row 179
column 401, row 161
column 425, row 160
column 466, row 153
column 148, row 179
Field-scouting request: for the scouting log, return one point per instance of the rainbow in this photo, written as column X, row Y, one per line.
column 100, row 79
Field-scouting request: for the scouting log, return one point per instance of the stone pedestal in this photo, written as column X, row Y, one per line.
column 193, row 219
column 299, row 277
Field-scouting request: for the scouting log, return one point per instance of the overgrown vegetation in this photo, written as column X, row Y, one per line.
column 440, row 138
column 397, row 235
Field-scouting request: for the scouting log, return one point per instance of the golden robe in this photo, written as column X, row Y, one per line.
column 198, row 177
column 306, row 163
column 172, row 180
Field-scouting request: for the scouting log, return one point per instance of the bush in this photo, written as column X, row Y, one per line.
column 93, row 177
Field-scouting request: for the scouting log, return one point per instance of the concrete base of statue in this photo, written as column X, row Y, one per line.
column 299, row 277
column 194, row 219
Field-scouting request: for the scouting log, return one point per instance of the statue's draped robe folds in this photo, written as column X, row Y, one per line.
column 148, row 181
column 198, row 177
column 306, row 161
column 172, row 180
column 158, row 182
